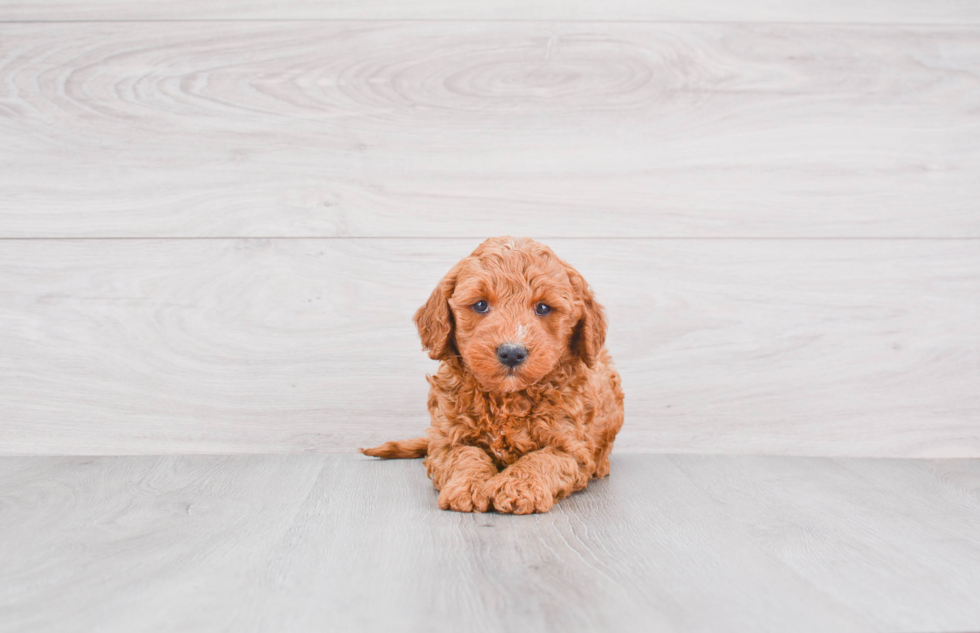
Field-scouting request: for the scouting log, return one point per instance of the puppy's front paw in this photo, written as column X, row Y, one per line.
column 518, row 495
column 464, row 495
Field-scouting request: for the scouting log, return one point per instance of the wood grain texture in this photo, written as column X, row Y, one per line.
column 470, row 129
column 331, row 542
column 870, row 11
column 838, row 347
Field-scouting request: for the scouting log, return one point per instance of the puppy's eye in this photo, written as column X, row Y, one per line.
column 481, row 306
column 542, row 310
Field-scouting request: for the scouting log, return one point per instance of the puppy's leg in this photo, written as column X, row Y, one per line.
column 535, row 481
column 460, row 473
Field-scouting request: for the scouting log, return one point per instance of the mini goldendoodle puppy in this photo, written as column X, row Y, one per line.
column 526, row 403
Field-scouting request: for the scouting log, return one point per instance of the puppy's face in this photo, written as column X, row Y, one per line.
column 511, row 311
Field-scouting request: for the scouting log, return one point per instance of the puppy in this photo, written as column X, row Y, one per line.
column 526, row 403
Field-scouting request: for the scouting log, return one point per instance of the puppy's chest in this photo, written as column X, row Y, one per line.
column 507, row 440
column 507, row 434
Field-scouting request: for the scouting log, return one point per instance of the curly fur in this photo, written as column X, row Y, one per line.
column 515, row 440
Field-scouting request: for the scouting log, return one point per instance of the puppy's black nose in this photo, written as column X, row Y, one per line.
column 511, row 354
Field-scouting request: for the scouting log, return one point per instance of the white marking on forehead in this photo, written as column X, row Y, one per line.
column 521, row 332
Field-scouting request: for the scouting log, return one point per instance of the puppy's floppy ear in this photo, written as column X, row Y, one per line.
column 589, row 334
column 435, row 320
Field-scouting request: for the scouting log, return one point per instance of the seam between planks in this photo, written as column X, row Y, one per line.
column 950, row 25
column 620, row 238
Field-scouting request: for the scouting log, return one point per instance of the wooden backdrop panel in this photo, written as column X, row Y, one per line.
column 867, row 11
column 258, row 129
column 840, row 347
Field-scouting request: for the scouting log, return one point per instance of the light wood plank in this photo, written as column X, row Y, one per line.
column 133, row 544
column 827, row 508
column 871, row 11
column 331, row 542
column 476, row 129
column 809, row 347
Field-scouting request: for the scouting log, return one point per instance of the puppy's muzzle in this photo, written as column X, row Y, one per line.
column 511, row 354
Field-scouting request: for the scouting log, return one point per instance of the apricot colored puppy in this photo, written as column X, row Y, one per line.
column 526, row 403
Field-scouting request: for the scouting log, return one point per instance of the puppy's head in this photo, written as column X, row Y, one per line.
column 512, row 311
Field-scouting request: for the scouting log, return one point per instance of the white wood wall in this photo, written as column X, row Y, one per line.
column 217, row 218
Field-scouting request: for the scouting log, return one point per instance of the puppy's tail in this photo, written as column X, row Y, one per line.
column 405, row 449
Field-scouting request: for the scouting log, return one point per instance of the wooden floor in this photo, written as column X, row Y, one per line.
column 346, row 543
